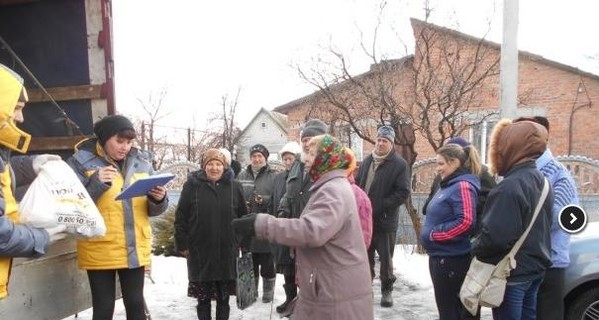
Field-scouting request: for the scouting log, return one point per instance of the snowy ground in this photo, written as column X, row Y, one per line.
column 167, row 295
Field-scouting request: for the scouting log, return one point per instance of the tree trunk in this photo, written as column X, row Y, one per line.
column 416, row 223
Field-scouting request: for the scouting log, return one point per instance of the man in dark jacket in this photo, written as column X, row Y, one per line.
column 508, row 212
column 284, row 261
column 385, row 177
column 550, row 304
column 298, row 192
column 258, row 181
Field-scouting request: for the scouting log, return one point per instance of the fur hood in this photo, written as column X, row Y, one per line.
column 515, row 143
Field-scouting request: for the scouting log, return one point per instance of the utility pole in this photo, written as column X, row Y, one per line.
column 508, row 74
column 188, row 144
column 143, row 135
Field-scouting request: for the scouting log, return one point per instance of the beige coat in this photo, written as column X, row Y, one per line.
column 332, row 264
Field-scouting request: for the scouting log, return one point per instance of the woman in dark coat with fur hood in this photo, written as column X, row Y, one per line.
column 209, row 201
column 508, row 212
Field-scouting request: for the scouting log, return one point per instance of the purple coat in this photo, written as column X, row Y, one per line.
column 332, row 264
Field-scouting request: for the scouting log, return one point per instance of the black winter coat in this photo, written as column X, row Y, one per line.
column 203, row 225
column 389, row 190
column 282, row 254
column 297, row 194
column 508, row 212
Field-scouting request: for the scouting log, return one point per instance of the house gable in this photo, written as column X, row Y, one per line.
column 266, row 128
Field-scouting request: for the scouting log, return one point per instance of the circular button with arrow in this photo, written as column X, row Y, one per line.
column 572, row 218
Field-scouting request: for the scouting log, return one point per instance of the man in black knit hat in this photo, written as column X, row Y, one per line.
column 293, row 202
column 258, row 181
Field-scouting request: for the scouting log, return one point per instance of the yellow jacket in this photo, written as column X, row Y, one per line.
column 127, row 243
column 17, row 240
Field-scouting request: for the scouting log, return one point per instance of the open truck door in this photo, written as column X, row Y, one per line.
column 63, row 50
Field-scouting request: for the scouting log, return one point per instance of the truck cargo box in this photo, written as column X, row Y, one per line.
column 62, row 48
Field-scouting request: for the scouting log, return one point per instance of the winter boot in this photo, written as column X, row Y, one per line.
column 289, row 309
column 387, row 299
column 290, row 293
column 222, row 311
column 268, row 289
column 203, row 312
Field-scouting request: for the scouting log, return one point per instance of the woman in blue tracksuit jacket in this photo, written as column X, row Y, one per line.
column 450, row 222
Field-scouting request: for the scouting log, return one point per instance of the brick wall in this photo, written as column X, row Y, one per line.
column 545, row 88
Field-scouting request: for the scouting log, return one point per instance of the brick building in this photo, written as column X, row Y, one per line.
column 563, row 94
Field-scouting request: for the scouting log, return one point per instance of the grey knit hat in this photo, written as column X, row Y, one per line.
column 386, row 132
column 314, row 127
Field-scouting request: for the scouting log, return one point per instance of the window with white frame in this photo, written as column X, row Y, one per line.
column 351, row 139
column 480, row 136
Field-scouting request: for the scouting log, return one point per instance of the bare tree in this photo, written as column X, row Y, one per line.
column 227, row 135
column 434, row 93
column 156, row 145
column 450, row 74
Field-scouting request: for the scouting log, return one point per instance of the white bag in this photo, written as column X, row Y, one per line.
column 485, row 284
column 57, row 197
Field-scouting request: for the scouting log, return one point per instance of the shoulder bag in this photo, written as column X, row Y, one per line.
column 485, row 283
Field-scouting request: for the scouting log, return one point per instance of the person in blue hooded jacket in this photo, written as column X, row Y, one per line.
column 450, row 222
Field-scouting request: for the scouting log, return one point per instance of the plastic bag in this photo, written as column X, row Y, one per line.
column 246, row 285
column 57, row 197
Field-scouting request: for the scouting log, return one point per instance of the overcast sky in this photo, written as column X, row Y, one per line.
column 199, row 51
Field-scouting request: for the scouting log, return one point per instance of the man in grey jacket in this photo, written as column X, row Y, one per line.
column 385, row 177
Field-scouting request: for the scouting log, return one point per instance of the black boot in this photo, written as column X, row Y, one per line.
column 268, row 290
column 222, row 311
column 387, row 299
column 290, row 294
column 203, row 312
column 386, row 291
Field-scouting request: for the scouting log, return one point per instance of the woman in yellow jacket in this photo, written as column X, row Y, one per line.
column 106, row 164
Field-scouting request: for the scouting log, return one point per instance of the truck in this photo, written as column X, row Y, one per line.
column 63, row 50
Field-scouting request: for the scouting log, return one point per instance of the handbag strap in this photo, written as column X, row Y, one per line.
column 518, row 244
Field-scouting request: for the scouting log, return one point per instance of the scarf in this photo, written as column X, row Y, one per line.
column 330, row 155
column 376, row 161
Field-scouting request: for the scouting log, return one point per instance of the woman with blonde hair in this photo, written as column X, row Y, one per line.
column 449, row 225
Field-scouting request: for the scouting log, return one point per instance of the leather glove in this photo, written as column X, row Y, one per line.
column 245, row 225
column 41, row 159
column 57, row 233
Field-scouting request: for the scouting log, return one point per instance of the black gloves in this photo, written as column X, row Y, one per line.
column 245, row 225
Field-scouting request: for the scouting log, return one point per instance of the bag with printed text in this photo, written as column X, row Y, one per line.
column 57, row 197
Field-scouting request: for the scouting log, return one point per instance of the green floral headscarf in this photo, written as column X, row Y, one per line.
column 330, row 155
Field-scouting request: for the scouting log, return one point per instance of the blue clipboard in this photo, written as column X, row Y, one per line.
column 142, row 186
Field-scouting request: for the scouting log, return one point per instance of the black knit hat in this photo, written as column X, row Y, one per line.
column 314, row 127
column 260, row 148
column 110, row 126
